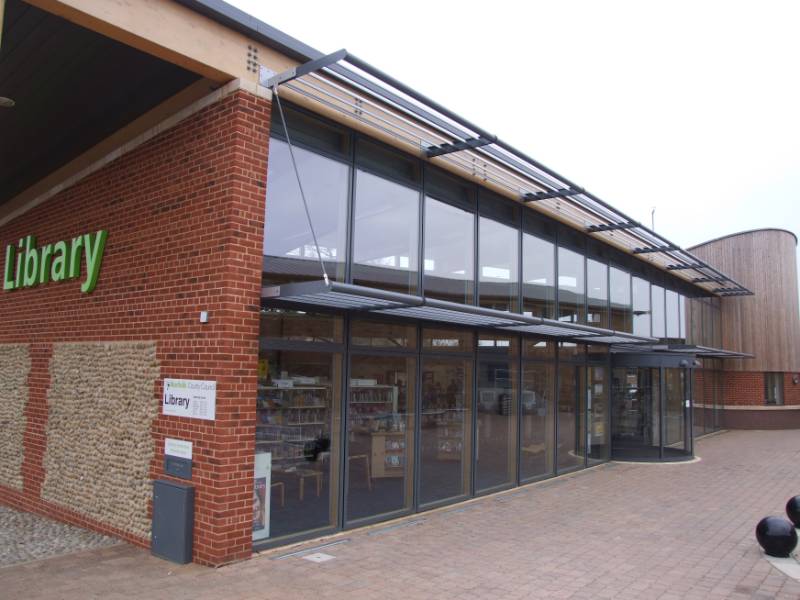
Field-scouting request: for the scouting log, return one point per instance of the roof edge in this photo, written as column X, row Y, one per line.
column 745, row 232
column 256, row 29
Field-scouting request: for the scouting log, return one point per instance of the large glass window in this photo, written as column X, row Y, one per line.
column 571, row 286
column 597, row 403
column 673, row 315
column 597, row 293
column 289, row 250
column 773, row 388
column 299, row 326
column 657, row 311
column 674, row 412
column 446, row 429
column 380, row 435
column 621, row 308
column 449, row 252
column 570, row 445
column 537, row 414
column 641, row 306
column 496, row 451
column 538, row 276
column 682, row 317
column 498, row 260
column 297, row 443
column 385, row 238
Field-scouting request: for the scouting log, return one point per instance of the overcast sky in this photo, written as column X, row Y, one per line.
column 691, row 107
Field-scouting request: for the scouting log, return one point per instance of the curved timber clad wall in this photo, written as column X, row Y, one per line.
column 768, row 323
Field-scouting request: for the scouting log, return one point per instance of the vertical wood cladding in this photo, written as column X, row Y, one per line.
column 768, row 323
column 15, row 365
column 185, row 216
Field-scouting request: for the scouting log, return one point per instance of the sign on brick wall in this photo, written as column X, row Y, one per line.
column 190, row 398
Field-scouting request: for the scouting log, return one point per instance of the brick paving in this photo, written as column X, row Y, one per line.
column 616, row 531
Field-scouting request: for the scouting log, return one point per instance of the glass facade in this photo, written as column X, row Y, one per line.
column 537, row 420
column 298, row 412
column 571, row 286
column 449, row 252
column 498, row 264
column 385, row 243
column 641, row 306
column 597, row 293
column 363, row 420
column 621, row 306
column 446, row 429
column 289, row 250
column 380, row 436
column 496, row 422
column 538, row 276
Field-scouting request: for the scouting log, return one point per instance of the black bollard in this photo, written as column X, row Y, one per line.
column 793, row 510
column 777, row 536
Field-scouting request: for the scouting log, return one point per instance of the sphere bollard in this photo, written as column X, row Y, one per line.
column 777, row 536
column 793, row 510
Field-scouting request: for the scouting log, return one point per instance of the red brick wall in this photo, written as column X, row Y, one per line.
column 744, row 388
column 185, row 215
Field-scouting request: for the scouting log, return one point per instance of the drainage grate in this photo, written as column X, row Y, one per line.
column 305, row 551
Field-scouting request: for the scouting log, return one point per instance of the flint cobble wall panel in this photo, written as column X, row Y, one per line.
column 15, row 365
column 100, row 413
column 185, row 215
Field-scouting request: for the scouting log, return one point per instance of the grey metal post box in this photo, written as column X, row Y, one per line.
column 173, row 521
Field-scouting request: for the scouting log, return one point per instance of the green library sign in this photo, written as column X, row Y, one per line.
column 29, row 266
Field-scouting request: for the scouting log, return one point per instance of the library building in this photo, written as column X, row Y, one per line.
column 256, row 294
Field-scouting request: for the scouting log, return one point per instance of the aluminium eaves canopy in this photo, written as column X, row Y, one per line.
column 344, row 84
column 311, row 295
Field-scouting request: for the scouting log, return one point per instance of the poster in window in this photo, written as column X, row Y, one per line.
column 262, row 486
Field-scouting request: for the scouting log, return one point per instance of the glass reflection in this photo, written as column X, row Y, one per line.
column 641, row 306
column 597, row 405
column 380, row 435
column 570, row 446
column 674, row 413
column 289, row 250
column 571, row 286
column 297, row 420
column 496, row 421
column 536, row 451
column 621, row 308
column 498, row 262
column 449, row 252
column 446, row 426
column 673, row 315
column 657, row 311
column 538, row 276
column 597, row 293
column 385, row 250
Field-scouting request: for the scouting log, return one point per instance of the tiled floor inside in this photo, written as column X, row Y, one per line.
column 616, row 531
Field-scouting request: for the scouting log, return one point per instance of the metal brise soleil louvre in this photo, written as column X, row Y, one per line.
column 361, row 94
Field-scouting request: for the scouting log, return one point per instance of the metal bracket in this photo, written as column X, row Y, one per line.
column 562, row 193
column 683, row 267
column 300, row 70
column 612, row 226
column 655, row 249
column 449, row 147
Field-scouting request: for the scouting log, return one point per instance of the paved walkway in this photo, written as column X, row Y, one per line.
column 617, row 531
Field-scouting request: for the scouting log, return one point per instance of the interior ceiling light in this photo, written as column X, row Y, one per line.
column 6, row 102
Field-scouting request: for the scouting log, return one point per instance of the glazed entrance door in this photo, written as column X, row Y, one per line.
column 635, row 416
